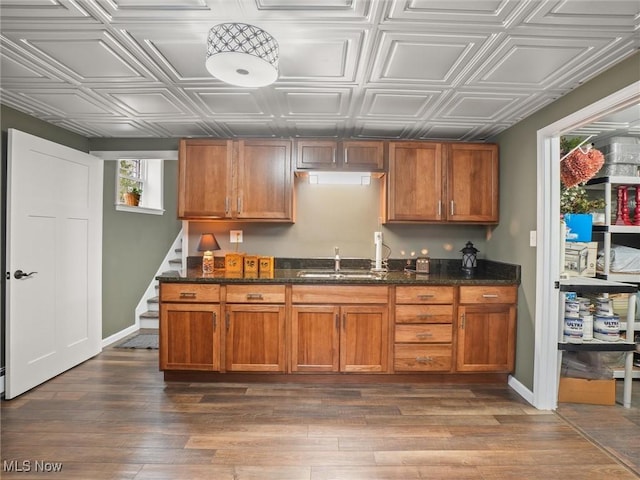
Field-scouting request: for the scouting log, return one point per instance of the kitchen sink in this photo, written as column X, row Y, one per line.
column 342, row 274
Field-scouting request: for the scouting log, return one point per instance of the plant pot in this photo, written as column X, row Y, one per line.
column 578, row 227
column 131, row 199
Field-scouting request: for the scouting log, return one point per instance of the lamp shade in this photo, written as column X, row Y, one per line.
column 208, row 243
column 242, row 55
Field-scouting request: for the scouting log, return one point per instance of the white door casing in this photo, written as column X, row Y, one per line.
column 547, row 357
column 54, row 228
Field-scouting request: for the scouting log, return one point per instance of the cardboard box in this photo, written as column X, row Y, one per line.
column 582, row 390
column 580, row 259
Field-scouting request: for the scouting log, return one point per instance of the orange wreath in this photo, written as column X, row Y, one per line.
column 579, row 166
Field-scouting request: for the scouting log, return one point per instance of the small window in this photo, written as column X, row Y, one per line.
column 139, row 185
column 131, row 180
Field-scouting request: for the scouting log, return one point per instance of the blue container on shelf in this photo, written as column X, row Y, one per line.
column 578, row 226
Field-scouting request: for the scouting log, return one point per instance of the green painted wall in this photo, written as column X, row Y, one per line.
column 518, row 167
column 134, row 245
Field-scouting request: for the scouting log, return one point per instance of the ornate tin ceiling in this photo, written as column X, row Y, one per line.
column 406, row 69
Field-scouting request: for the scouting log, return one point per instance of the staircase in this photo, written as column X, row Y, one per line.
column 148, row 309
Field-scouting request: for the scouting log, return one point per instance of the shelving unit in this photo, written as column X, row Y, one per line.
column 587, row 285
column 608, row 184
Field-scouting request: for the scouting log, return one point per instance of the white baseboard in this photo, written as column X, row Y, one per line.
column 520, row 389
column 119, row 335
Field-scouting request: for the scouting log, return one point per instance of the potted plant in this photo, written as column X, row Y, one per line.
column 577, row 208
column 132, row 196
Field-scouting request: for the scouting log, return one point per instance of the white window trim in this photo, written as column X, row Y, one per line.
column 143, row 155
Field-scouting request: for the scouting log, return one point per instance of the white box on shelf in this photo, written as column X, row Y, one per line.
column 580, row 258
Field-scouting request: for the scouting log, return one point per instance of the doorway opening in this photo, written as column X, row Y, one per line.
column 547, row 357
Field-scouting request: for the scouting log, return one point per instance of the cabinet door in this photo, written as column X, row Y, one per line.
column 255, row 338
column 361, row 155
column 364, row 340
column 316, row 154
column 265, row 180
column 472, row 183
column 204, row 178
column 414, row 188
column 189, row 336
column 315, row 333
column 486, row 338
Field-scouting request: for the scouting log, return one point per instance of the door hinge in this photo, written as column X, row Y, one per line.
column 556, row 284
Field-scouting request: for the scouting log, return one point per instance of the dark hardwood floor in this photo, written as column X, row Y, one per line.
column 114, row 417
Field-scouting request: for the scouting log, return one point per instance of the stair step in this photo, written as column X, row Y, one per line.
column 171, row 273
column 149, row 314
column 153, row 300
column 178, row 250
column 176, row 260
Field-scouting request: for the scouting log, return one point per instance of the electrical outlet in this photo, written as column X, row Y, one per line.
column 533, row 238
column 235, row 236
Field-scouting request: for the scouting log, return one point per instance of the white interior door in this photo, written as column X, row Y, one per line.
column 54, row 229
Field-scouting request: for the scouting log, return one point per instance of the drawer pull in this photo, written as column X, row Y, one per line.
column 424, row 335
column 254, row 296
column 424, row 315
column 426, row 296
column 187, row 294
column 424, row 359
column 489, row 295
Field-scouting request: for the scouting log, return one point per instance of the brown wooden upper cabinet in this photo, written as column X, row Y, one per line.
column 242, row 179
column 356, row 155
column 439, row 182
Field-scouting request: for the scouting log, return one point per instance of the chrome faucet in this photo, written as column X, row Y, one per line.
column 336, row 250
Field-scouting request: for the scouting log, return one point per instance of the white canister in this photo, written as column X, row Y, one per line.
column 607, row 328
column 587, row 327
column 571, row 307
column 573, row 330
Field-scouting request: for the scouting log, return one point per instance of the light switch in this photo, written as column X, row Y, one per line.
column 533, row 238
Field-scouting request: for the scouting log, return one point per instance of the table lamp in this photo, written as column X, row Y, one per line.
column 207, row 244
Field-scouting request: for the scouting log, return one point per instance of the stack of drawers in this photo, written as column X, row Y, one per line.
column 423, row 329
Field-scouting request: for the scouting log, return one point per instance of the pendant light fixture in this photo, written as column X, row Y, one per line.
column 242, row 55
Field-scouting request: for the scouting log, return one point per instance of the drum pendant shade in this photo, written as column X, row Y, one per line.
column 242, row 55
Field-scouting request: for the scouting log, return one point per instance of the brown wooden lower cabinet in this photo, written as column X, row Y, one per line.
column 336, row 329
column 329, row 338
column 486, row 329
column 190, row 336
column 255, row 339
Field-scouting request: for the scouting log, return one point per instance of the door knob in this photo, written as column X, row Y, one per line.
column 18, row 274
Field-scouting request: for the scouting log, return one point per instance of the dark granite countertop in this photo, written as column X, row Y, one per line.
column 442, row 272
